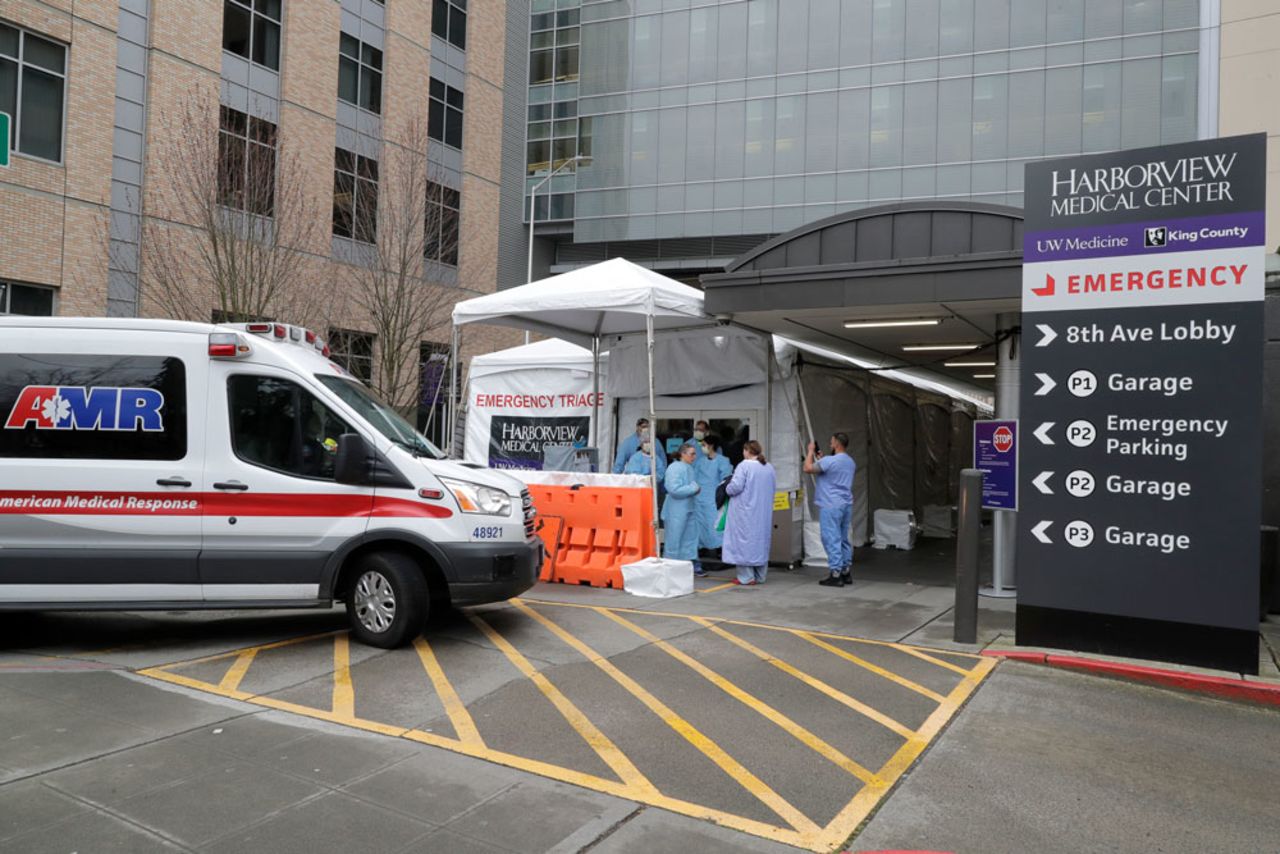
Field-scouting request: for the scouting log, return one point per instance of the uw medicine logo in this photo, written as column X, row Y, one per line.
column 1155, row 237
column 81, row 408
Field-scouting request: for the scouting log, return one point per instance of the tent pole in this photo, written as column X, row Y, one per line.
column 653, row 430
column 595, row 392
column 453, row 390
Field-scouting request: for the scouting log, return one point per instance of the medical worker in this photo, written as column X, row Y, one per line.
column 641, row 462
column 749, row 528
column 629, row 445
column 680, row 510
column 710, row 469
column 834, row 497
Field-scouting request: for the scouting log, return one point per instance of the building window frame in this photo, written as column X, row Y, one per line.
column 247, row 156
column 445, row 107
column 442, row 224
column 359, row 74
column 353, row 350
column 265, row 19
column 449, row 21
column 8, row 288
column 355, row 179
column 14, row 58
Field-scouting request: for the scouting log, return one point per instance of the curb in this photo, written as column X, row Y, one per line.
column 1264, row 693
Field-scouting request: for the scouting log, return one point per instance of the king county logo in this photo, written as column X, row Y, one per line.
column 82, row 408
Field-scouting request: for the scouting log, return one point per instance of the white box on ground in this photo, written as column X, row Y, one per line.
column 658, row 578
column 895, row 528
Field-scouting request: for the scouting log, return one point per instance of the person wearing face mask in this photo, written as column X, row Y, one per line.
column 834, row 497
column 710, row 469
column 629, row 445
column 641, row 462
column 701, row 430
column 680, row 510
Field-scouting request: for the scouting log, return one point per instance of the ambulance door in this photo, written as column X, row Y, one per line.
column 274, row 513
column 100, row 462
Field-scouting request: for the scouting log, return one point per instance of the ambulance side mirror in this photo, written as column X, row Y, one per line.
column 351, row 465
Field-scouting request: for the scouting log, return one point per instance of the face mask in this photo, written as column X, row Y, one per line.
column 645, row 447
column 699, row 435
column 644, row 435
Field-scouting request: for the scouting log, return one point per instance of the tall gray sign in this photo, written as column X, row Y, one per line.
column 1142, row 300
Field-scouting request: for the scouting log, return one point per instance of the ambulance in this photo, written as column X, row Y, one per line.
column 152, row 464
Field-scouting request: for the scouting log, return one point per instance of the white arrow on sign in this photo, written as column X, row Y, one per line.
column 1046, row 384
column 1039, row 532
column 1041, row 482
column 1042, row 433
column 1048, row 333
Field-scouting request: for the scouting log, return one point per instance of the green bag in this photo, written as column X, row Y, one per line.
column 724, row 514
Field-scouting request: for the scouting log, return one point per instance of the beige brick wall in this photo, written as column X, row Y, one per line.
column 1249, row 81
column 54, row 217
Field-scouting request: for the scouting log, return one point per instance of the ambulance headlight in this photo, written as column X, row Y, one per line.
column 477, row 498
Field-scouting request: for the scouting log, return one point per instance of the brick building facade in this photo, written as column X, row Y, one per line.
column 105, row 93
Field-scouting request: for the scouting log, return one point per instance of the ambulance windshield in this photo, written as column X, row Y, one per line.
column 384, row 419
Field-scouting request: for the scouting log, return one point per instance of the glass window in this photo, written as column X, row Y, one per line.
column 359, row 74
column 852, row 137
column 252, row 30
column 646, row 60
column 442, row 224
column 353, row 351
column 1102, row 18
column 1026, row 23
column 675, row 49
column 1178, row 98
column 793, row 36
column 246, row 162
column 955, row 120
column 702, row 45
column 278, row 425
column 923, row 30
column 762, row 38
column 672, row 130
column 820, row 133
column 644, row 147
column 355, row 196
column 1062, row 91
column 991, row 26
column 990, row 116
column 1140, row 110
column 700, row 159
column 1101, row 103
column 920, row 123
column 731, row 53
column 1143, row 16
column 379, row 414
column 886, row 126
column 759, row 138
column 32, row 91
column 449, row 21
column 34, row 300
column 117, row 407
column 888, row 30
column 444, row 113
column 1026, row 114
column 1065, row 20
column 730, row 119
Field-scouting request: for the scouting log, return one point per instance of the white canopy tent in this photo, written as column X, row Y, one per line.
column 549, row 353
column 613, row 297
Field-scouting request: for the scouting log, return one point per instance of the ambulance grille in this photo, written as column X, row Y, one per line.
column 530, row 514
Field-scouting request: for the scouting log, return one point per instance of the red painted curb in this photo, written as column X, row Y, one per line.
column 1266, row 693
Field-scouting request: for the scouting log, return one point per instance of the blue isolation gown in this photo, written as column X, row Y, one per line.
column 626, row 449
column 680, row 512
column 749, row 528
column 639, row 464
column 709, row 472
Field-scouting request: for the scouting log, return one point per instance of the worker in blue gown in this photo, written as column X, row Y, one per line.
column 680, row 510
column 710, row 469
column 641, row 462
column 628, row 446
column 748, row 531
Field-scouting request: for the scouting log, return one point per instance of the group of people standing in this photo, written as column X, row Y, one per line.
column 701, row 479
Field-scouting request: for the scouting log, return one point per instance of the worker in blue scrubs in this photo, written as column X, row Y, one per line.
column 710, row 469
column 629, row 445
column 680, row 510
column 834, row 497
column 641, row 462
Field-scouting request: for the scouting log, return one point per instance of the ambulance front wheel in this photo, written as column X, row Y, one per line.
column 388, row 600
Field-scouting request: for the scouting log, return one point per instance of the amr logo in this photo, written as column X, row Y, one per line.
column 81, row 408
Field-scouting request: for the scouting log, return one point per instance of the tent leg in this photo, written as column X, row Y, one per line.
column 653, row 431
column 595, row 393
column 453, row 391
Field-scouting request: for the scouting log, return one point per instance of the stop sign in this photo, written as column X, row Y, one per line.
column 1002, row 439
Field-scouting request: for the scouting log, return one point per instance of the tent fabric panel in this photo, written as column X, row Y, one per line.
column 687, row 363
column 933, row 452
column 893, row 423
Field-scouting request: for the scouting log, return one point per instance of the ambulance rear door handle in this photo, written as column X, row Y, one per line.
column 173, row 481
column 231, row 484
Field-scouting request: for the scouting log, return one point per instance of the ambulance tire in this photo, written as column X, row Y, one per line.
column 388, row 600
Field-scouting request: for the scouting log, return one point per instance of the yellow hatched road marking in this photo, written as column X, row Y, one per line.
column 848, row 819
column 231, row 681
column 236, row 653
column 717, row 587
column 801, row 734
column 344, row 694
column 874, row 668
column 724, row 621
column 813, row 682
column 591, row 734
column 924, row 656
column 463, row 724
column 691, row 734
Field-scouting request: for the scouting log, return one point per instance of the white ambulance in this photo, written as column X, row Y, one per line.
column 150, row 464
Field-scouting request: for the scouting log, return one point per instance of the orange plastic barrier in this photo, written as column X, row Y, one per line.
column 591, row 531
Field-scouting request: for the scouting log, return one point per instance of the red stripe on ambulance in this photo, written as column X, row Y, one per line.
column 281, row 504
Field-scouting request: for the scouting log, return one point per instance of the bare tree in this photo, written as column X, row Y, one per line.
column 226, row 228
column 397, row 283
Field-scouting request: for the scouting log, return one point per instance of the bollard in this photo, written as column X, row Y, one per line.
column 966, row 612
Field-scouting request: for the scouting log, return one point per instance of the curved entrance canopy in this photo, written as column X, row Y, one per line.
column 941, row 272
